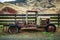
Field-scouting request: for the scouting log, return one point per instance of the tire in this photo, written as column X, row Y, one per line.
column 13, row 29
column 50, row 28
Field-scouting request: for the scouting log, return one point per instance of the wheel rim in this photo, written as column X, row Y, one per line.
column 50, row 28
column 13, row 30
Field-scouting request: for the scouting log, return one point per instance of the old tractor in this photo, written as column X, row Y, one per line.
column 35, row 22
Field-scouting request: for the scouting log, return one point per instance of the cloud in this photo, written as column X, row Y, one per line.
column 9, row 0
column 1, row 0
column 6, row 0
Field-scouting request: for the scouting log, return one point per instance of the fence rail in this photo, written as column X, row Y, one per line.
column 31, row 17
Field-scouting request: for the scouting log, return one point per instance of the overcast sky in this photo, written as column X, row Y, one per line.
column 6, row 0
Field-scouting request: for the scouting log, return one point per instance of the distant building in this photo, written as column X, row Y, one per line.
column 8, row 10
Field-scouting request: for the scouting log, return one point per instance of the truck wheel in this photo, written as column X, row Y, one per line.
column 13, row 29
column 50, row 28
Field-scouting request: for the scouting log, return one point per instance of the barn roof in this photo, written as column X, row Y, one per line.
column 9, row 10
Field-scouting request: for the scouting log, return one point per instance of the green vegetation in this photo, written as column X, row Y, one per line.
column 3, row 23
column 54, row 17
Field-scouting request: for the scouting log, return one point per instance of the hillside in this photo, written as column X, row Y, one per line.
column 23, row 9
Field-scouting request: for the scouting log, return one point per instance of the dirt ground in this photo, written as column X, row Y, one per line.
column 31, row 35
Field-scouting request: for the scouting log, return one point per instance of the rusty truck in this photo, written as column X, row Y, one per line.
column 36, row 22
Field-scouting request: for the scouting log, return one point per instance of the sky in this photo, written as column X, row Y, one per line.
column 6, row 0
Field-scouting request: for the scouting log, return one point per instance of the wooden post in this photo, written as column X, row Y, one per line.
column 15, row 18
column 26, row 18
column 58, row 17
column 36, row 15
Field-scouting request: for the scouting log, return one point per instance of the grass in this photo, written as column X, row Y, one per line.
column 31, row 36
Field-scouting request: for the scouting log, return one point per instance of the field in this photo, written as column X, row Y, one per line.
column 31, row 35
